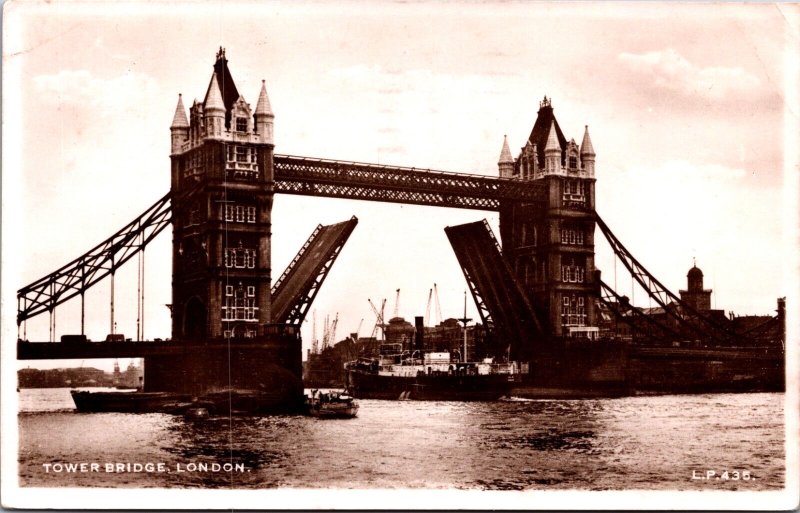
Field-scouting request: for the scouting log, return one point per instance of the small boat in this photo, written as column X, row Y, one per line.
column 331, row 405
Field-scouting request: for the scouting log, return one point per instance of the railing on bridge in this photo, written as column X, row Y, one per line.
column 374, row 182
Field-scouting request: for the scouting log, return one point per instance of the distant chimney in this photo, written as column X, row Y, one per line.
column 419, row 335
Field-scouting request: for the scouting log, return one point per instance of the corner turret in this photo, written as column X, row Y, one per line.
column 552, row 151
column 214, row 109
column 179, row 128
column 264, row 118
column 506, row 162
column 587, row 153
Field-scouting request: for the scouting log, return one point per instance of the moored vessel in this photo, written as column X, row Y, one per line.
column 224, row 401
column 125, row 402
column 435, row 376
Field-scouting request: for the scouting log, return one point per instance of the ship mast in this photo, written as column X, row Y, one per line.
column 465, row 320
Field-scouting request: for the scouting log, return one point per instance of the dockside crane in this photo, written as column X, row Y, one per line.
column 332, row 338
column 325, row 332
column 378, row 319
column 358, row 330
column 428, row 308
column 314, row 341
column 438, row 305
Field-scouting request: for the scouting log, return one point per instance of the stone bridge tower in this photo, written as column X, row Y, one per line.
column 222, row 187
column 551, row 245
column 222, row 190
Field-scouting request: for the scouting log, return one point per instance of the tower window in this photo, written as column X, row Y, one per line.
column 241, row 124
column 240, row 258
column 573, row 311
column 242, row 154
column 240, row 213
column 572, row 235
column 574, row 191
column 242, row 162
column 241, row 305
column 572, row 272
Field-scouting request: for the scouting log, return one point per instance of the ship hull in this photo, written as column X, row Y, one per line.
column 364, row 384
column 125, row 402
column 226, row 402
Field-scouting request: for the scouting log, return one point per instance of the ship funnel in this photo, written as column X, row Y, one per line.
column 419, row 334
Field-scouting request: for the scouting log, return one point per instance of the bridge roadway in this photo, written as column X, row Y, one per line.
column 374, row 182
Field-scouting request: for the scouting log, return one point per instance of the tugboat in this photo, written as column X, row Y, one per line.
column 438, row 376
column 331, row 405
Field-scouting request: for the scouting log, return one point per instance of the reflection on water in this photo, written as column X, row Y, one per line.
column 616, row 444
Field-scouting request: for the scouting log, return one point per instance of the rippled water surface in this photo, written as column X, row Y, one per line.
column 607, row 444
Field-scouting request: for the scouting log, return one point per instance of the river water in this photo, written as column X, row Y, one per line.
column 648, row 443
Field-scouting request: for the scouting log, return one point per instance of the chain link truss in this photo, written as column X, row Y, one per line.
column 374, row 182
column 702, row 325
column 74, row 278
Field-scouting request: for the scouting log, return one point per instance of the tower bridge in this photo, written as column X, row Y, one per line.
column 536, row 287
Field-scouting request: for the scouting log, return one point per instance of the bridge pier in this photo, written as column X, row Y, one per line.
column 270, row 365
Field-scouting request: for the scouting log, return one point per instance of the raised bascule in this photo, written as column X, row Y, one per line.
column 537, row 290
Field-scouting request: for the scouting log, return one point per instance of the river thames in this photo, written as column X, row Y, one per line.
column 681, row 442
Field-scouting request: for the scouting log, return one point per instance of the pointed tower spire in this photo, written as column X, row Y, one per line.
column 213, row 100
column 214, row 109
column 552, row 140
column 180, row 120
column 587, row 153
column 552, row 151
column 263, row 106
column 180, row 128
column 586, row 145
column 264, row 117
column 506, row 163
column 505, row 152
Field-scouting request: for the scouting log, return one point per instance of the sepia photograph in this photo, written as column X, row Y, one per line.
column 400, row 255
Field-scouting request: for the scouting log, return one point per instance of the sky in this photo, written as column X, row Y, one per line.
column 689, row 107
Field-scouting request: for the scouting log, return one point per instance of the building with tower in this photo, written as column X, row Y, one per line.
column 222, row 192
column 222, row 196
column 695, row 295
column 550, row 246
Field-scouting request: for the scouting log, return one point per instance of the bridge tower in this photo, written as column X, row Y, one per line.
column 551, row 245
column 222, row 189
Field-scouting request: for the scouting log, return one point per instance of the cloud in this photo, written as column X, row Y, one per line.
column 670, row 70
column 668, row 212
column 82, row 88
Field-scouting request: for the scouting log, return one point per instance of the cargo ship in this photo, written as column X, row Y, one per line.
column 434, row 376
